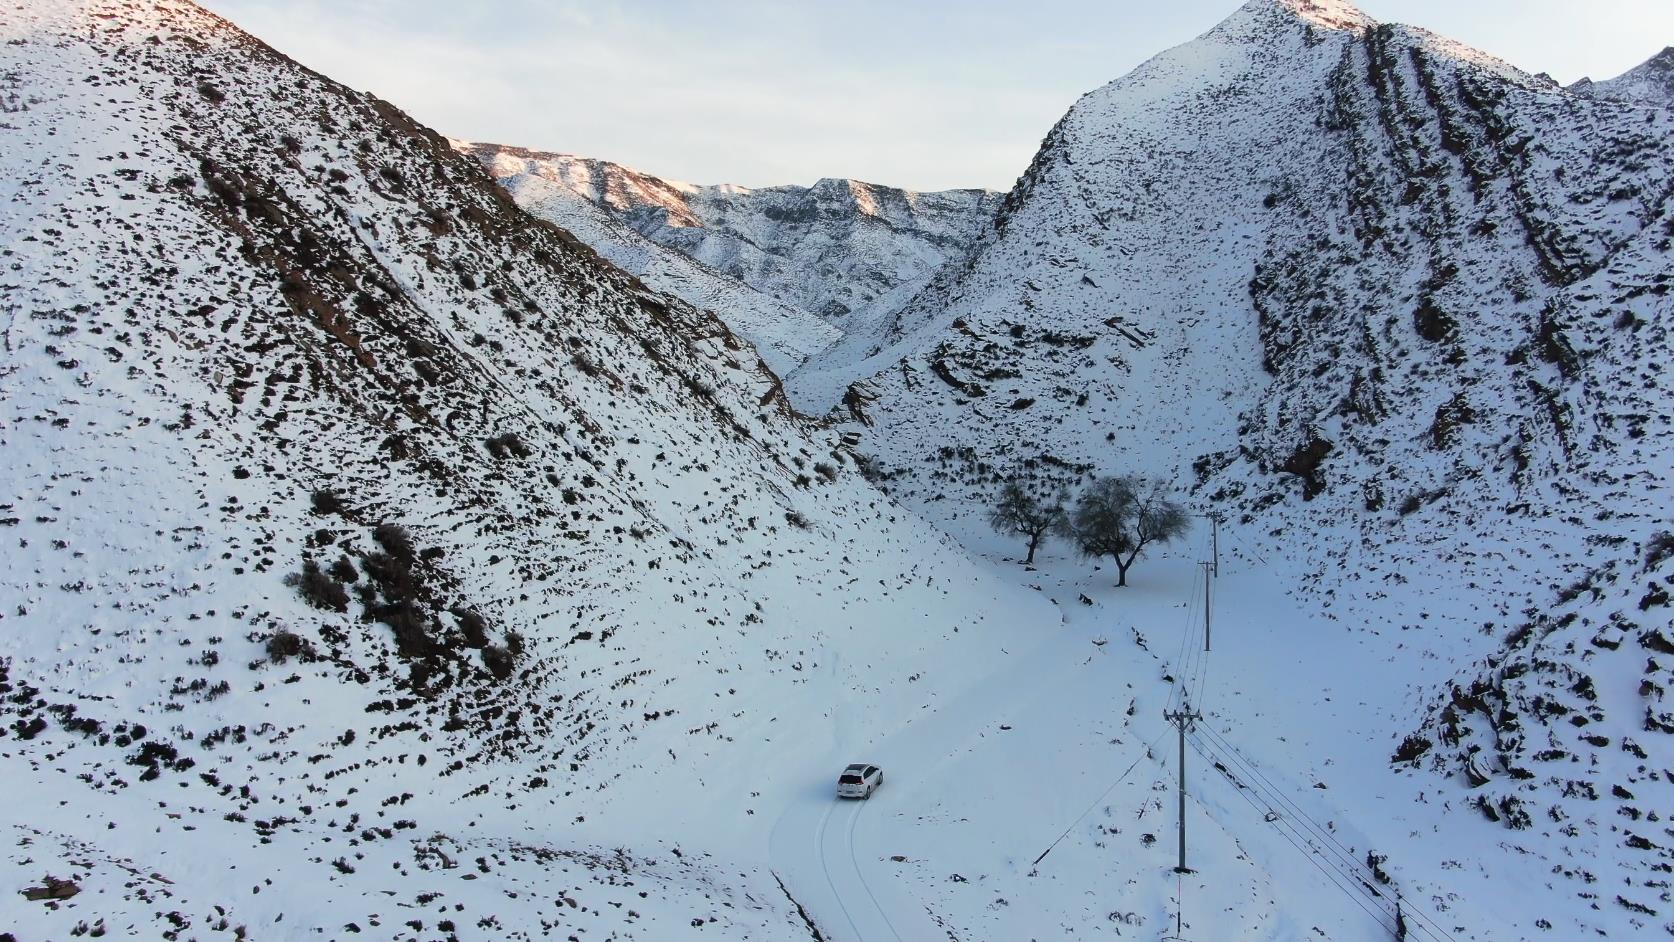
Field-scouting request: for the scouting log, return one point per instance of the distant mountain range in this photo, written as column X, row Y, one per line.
column 846, row 252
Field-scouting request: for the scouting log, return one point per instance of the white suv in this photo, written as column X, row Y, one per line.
column 859, row 781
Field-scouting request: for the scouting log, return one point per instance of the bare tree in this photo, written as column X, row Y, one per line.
column 1020, row 512
column 1119, row 517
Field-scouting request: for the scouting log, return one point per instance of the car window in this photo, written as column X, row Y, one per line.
column 849, row 778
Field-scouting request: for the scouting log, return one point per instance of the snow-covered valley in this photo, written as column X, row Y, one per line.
column 422, row 540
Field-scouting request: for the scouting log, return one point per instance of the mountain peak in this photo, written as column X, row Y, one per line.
column 1329, row 14
column 1650, row 81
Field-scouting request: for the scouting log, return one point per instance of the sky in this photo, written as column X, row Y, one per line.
column 925, row 95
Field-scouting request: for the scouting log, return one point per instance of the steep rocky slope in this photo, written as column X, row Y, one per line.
column 1400, row 311
column 846, row 251
column 378, row 557
column 1652, row 81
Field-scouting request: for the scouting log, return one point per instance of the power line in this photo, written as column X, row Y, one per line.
column 1354, row 872
column 1383, row 919
column 1323, row 832
column 1252, row 553
column 1182, row 668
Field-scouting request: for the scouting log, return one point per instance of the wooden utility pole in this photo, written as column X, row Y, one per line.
column 1183, row 721
column 1208, row 575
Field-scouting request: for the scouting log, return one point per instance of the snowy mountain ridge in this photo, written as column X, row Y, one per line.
column 843, row 250
column 1652, row 81
column 785, row 336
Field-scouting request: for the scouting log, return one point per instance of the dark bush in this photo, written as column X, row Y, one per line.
column 473, row 626
column 411, row 626
column 508, row 444
column 1658, row 549
column 284, row 645
column 498, row 660
column 318, row 588
column 392, row 575
column 344, row 570
column 515, row 644
column 327, row 501
column 395, row 539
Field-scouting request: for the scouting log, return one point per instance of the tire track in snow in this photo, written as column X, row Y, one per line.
column 819, row 849
column 854, row 861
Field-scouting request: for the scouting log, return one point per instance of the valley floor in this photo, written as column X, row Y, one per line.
column 1064, row 746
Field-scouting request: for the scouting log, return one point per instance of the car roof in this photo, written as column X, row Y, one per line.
column 857, row 767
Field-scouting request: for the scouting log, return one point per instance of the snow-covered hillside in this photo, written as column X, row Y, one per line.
column 1400, row 310
column 1651, row 82
column 381, row 561
column 846, row 251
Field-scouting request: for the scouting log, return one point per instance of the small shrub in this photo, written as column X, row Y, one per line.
column 515, row 643
column 318, row 588
column 796, row 519
column 327, row 501
column 508, row 444
column 411, row 627
column 285, row 644
column 344, row 570
column 395, row 539
column 473, row 626
column 498, row 660
column 1658, row 550
column 393, row 575
column 826, row 471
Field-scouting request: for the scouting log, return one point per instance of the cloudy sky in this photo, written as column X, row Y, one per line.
column 907, row 92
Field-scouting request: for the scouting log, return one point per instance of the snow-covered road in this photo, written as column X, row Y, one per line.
column 952, row 771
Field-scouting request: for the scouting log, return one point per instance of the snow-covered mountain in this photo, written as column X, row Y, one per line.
column 1651, row 82
column 846, row 251
column 384, row 561
column 1401, row 312
column 785, row 335
column 379, row 558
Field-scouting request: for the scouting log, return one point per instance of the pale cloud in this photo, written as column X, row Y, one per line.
column 927, row 95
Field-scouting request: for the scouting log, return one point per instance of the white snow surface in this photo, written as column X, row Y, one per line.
column 1302, row 229
column 232, row 283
